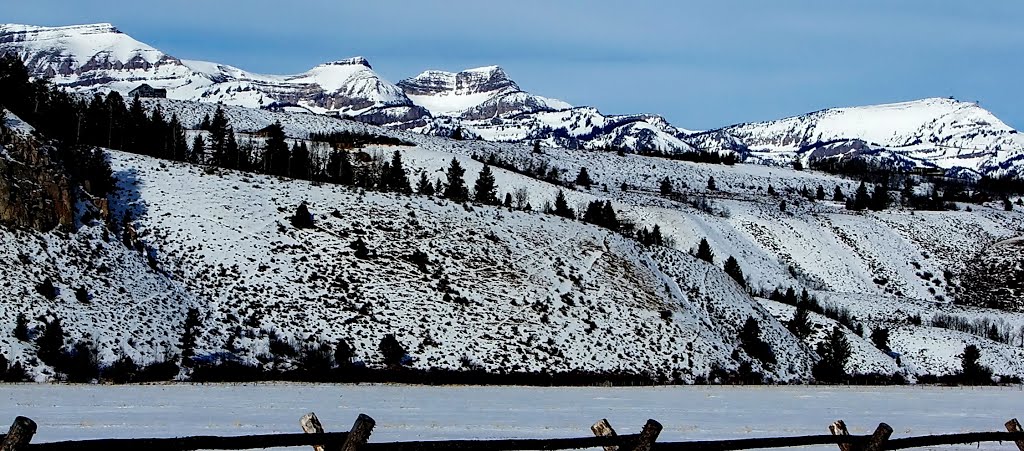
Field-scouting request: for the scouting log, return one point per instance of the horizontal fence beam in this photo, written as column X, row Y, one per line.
column 335, row 440
column 759, row 443
column 953, row 439
column 328, row 440
column 505, row 444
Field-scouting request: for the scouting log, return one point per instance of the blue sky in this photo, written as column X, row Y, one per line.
column 701, row 65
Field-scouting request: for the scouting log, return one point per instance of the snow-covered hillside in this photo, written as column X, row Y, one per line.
column 937, row 132
column 504, row 290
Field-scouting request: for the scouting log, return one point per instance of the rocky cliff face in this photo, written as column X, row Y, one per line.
column 34, row 191
column 491, row 79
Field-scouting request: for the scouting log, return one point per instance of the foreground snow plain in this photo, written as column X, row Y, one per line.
column 69, row 412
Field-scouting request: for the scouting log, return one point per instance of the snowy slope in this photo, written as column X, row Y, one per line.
column 936, row 132
column 101, row 58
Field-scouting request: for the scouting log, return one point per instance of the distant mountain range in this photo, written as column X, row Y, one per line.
column 959, row 137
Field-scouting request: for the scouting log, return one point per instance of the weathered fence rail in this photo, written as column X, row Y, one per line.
column 20, row 435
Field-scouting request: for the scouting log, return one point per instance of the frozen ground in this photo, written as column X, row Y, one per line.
column 434, row 413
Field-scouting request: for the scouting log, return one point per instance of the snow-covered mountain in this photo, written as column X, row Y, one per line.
column 99, row 57
column 937, row 132
column 485, row 103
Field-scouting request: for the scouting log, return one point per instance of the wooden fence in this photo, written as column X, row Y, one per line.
column 357, row 439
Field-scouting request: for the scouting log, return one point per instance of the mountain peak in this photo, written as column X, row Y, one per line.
column 354, row 61
column 487, row 79
column 96, row 28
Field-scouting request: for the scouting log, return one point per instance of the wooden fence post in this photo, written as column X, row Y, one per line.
column 359, row 434
column 1014, row 426
column 20, row 434
column 648, row 436
column 839, row 428
column 311, row 425
column 604, row 429
column 878, row 439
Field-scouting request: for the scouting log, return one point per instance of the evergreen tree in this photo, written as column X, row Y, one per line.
column 800, row 325
column 179, row 147
column 562, row 206
column 21, row 327
column 233, row 157
column 397, row 177
column 704, row 251
column 392, row 351
column 457, row 134
column 359, row 248
column 972, row 372
column 666, row 187
column 343, row 354
column 838, row 195
column 346, row 174
column 610, row 219
column 656, row 238
column 594, row 213
column 423, row 186
column 782, row 205
column 583, row 179
column 508, row 200
column 484, row 189
column 205, row 123
column 879, row 198
column 861, row 199
column 198, row 153
column 880, row 337
column 303, row 219
column 188, row 336
column 1007, row 205
column 536, row 147
column 835, row 351
column 711, row 184
column 299, row 166
column 771, row 191
column 51, row 342
column 732, row 268
column 820, row 194
column 218, row 144
column 750, row 340
column 456, row 190
column 275, row 151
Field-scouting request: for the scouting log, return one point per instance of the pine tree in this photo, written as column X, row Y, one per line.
column 1007, row 205
column 880, row 337
column 800, row 325
column 879, row 198
column 484, row 189
column 218, row 144
column 233, row 158
column 508, row 200
column 302, row 219
column 392, row 351
column 732, row 268
column 423, row 186
column 972, row 372
column 51, row 342
column 838, row 195
column 835, row 351
column 666, row 187
column 861, row 199
column 299, row 166
column 820, row 194
column 711, row 184
column 346, row 175
column 782, row 205
column 397, row 177
column 21, row 327
column 704, row 251
column 179, row 147
column 275, row 151
column 456, row 190
column 656, row 238
column 198, row 153
column 610, row 219
column 188, row 336
column 562, row 206
column 771, row 191
column 583, row 179
column 750, row 340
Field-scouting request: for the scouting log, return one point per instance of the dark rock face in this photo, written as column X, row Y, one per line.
column 34, row 191
column 473, row 81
